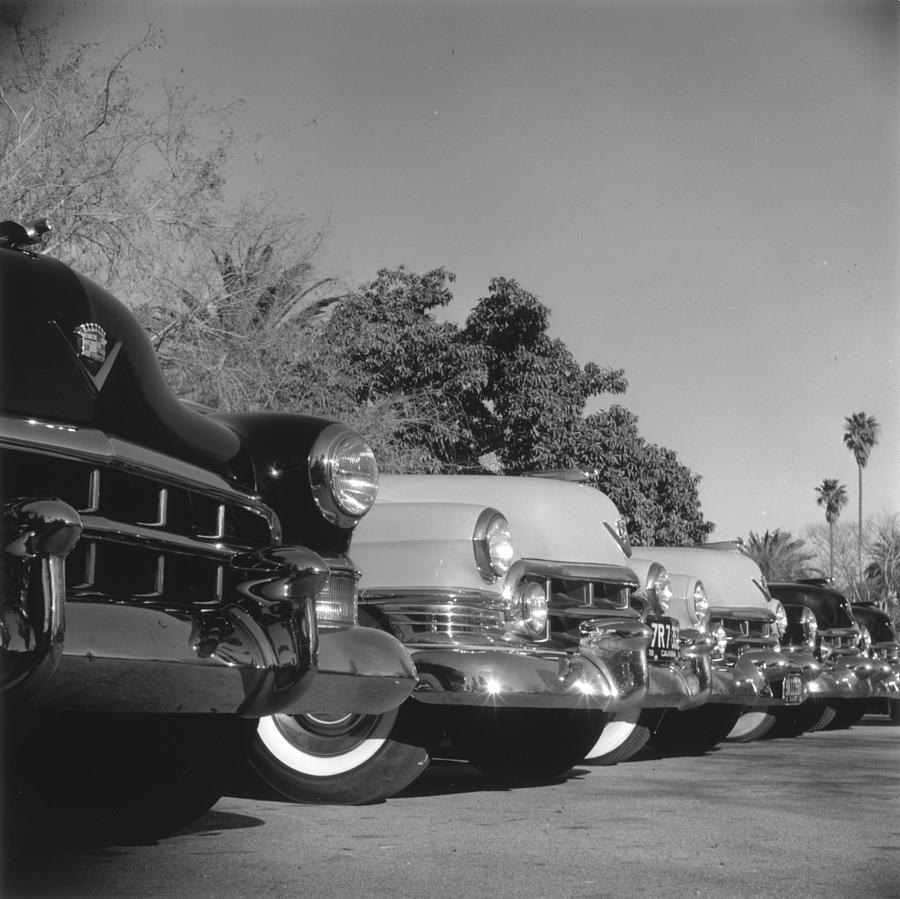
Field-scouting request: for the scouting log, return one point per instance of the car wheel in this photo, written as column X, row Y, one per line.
column 792, row 721
column 624, row 735
column 524, row 745
column 96, row 778
column 847, row 713
column 825, row 719
column 752, row 725
column 694, row 731
column 343, row 759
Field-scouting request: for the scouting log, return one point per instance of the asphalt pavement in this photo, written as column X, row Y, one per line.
column 815, row 816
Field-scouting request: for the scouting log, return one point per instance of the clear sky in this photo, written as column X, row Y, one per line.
column 704, row 193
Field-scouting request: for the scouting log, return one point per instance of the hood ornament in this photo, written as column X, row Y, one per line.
column 619, row 533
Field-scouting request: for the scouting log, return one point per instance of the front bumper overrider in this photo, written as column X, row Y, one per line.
column 684, row 683
column 37, row 535
column 252, row 655
column 606, row 672
column 886, row 677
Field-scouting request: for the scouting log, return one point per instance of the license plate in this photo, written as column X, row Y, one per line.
column 792, row 689
column 664, row 641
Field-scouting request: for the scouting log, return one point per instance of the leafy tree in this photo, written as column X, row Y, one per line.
column 382, row 345
column 860, row 436
column 656, row 492
column 780, row 556
column 833, row 496
column 535, row 390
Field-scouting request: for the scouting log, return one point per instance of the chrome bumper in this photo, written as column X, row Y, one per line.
column 758, row 676
column 607, row 672
column 886, row 679
column 685, row 683
column 360, row 670
column 253, row 656
column 852, row 677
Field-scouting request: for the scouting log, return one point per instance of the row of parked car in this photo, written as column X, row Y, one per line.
column 181, row 597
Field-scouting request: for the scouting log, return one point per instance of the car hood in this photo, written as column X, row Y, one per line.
column 732, row 579
column 549, row 520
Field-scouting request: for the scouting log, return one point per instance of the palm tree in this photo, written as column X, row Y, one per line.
column 860, row 435
column 779, row 555
column 833, row 496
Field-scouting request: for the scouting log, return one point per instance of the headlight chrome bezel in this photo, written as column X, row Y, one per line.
column 343, row 475
column 493, row 545
column 700, row 605
column 531, row 611
column 659, row 585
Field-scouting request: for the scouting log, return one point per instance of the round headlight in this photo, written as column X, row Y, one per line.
column 810, row 625
column 492, row 542
column 865, row 639
column 659, row 584
column 701, row 603
column 781, row 619
column 343, row 475
column 532, row 609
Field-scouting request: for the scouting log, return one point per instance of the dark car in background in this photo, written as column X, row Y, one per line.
column 880, row 643
column 848, row 677
column 168, row 577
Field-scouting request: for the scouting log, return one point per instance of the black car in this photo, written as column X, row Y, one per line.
column 881, row 645
column 848, row 676
column 168, row 577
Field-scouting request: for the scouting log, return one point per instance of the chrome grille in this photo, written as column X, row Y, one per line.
column 145, row 538
column 885, row 651
column 454, row 617
column 743, row 635
column 738, row 629
column 336, row 604
column 573, row 593
column 840, row 642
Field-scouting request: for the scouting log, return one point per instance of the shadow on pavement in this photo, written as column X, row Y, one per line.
column 447, row 776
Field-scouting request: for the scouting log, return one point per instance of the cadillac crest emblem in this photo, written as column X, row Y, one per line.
column 91, row 342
